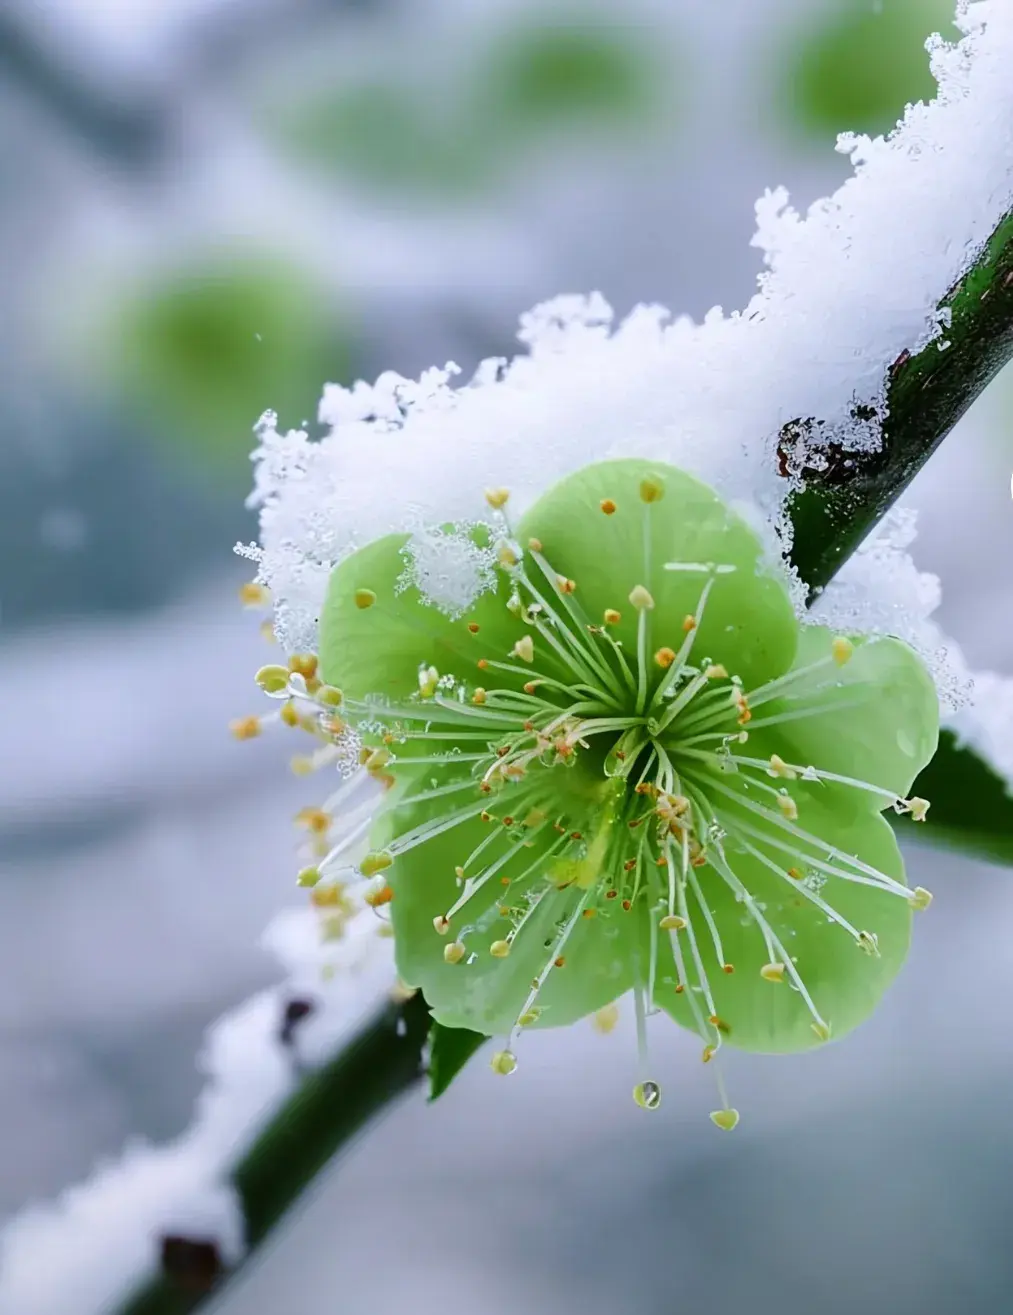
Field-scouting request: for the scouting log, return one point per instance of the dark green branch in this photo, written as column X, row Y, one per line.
column 331, row 1106
column 926, row 395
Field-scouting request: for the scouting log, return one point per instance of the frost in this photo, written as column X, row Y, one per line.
column 848, row 287
column 880, row 591
column 448, row 567
column 986, row 723
column 89, row 1249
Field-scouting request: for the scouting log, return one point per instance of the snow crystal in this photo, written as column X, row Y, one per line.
column 985, row 723
column 89, row 1249
column 448, row 567
column 847, row 288
column 880, row 591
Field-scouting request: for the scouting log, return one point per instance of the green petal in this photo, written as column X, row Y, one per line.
column 878, row 719
column 748, row 625
column 488, row 994
column 845, row 984
column 378, row 649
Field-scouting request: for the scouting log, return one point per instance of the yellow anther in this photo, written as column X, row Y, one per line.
column 377, row 758
column 688, row 623
column 332, row 897
column 841, row 650
column 708, row 1053
column 245, row 728
column 665, row 657
column 272, row 679
column 479, row 696
column 364, row 598
column 921, row 898
column 473, row 627
column 303, row 664
column 524, row 649
column 716, row 672
column 505, row 555
column 314, row 819
column 788, row 807
column 459, row 873
column 725, row 1119
column 454, row 952
column 441, row 924
column 503, row 1062
column 308, row 877
column 605, row 1020
column 566, row 586
column 778, row 767
column 821, row 1030
column 290, row 714
column 330, row 695
column 612, row 617
column 918, row 808
column 652, row 489
column 267, row 632
column 795, row 874
column 302, row 766
column 252, row 594
column 499, row 949
column 772, row 972
column 382, row 894
column 529, row 1017
column 641, row 599
column 672, row 922
column 497, row 498
column 647, row 1095
column 608, row 506
column 868, row 943
column 535, row 545
column 377, row 861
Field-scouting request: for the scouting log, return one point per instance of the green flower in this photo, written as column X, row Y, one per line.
column 627, row 766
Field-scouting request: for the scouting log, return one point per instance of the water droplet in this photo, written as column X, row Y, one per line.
column 647, row 1095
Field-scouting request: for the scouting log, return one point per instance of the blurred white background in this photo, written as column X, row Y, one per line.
column 209, row 207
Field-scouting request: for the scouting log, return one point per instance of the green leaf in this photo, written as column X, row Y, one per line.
column 972, row 810
column 450, row 1048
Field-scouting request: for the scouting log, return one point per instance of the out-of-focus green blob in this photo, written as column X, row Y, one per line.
column 858, row 69
column 201, row 352
column 557, row 72
column 389, row 136
column 458, row 130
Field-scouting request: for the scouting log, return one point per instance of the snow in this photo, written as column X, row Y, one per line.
column 847, row 288
column 90, row 1248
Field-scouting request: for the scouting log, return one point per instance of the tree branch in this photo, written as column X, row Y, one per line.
column 926, row 395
